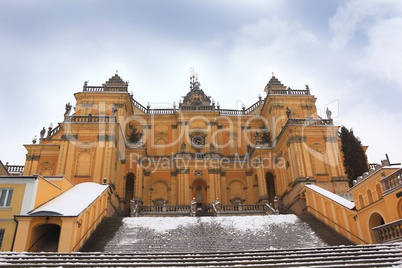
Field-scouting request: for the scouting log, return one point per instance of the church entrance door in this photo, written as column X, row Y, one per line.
column 200, row 191
column 129, row 192
column 270, row 181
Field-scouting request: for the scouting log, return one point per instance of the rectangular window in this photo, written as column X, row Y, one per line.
column 1, row 236
column 5, row 197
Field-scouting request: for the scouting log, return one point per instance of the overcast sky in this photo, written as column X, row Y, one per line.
column 348, row 52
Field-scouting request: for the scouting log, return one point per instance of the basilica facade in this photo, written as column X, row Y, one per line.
column 195, row 149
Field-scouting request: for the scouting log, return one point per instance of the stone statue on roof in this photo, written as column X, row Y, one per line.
column 68, row 109
column 288, row 112
column 329, row 113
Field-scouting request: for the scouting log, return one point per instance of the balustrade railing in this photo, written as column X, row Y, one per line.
column 392, row 182
column 254, row 106
column 148, row 110
column 139, row 106
column 230, row 112
column 289, row 92
column 390, row 232
column 54, row 131
column 105, row 88
column 90, row 119
column 240, row 209
column 14, row 169
column 164, row 210
column 161, row 111
column 206, row 156
column 309, row 121
column 197, row 108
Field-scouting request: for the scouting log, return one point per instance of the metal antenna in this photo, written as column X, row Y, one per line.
column 389, row 162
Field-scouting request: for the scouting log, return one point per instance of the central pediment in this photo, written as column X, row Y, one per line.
column 196, row 96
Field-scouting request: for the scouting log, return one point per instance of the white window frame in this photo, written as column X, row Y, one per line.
column 8, row 196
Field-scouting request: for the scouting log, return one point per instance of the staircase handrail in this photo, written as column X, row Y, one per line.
column 90, row 227
column 270, row 210
column 338, row 225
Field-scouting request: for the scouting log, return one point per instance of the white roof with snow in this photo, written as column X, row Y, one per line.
column 338, row 199
column 72, row 202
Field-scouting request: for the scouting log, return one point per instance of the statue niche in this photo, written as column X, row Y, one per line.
column 133, row 134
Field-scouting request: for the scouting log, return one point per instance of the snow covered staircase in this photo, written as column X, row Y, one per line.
column 211, row 234
column 386, row 255
column 245, row 241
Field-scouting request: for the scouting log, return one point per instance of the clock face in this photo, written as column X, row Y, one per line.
column 197, row 141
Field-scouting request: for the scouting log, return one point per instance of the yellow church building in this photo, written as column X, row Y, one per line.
column 196, row 149
column 277, row 154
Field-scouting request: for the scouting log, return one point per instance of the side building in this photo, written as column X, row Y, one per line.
column 21, row 194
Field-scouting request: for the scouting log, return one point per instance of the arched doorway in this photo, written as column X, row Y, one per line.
column 129, row 192
column 255, row 189
column 200, row 191
column 45, row 238
column 375, row 220
column 270, row 181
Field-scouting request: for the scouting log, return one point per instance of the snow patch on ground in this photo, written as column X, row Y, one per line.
column 163, row 224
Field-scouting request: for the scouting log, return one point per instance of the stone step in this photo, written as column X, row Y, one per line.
column 103, row 234
column 327, row 234
column 389, row 255
column 203, row 234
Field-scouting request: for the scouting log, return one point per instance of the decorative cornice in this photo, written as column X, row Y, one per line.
column 108, row 138
column 333, row 139
column 68, row 137
column 295, row 139
column 33, row 157
column 214, row 171
column 84, row 105
column 306, row 106
column 183, row 171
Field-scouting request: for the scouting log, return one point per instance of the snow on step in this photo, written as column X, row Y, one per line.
column 169, row 234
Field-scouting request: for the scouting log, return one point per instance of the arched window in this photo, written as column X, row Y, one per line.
column 375, row 220
column 361, row 201
column 379, row 191
column 369, row 196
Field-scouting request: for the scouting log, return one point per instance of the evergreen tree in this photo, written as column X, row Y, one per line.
column 354, row 158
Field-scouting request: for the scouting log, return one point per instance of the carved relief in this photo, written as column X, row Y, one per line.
column 83, row 167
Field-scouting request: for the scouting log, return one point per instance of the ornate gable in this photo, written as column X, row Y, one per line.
column 196, row 96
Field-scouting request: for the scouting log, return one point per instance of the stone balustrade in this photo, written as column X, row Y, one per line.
column 166, row 210
column 392, row 182
column 15, row 169
column 289, row 92
column 90, row 119
column 391, row 232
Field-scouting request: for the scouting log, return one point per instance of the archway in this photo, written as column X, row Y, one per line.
column 255, row 188
column 129, row 192
column 45, row 238
column 375, row 220
column 270, row 181
column 399, row 207
column 199, row 188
